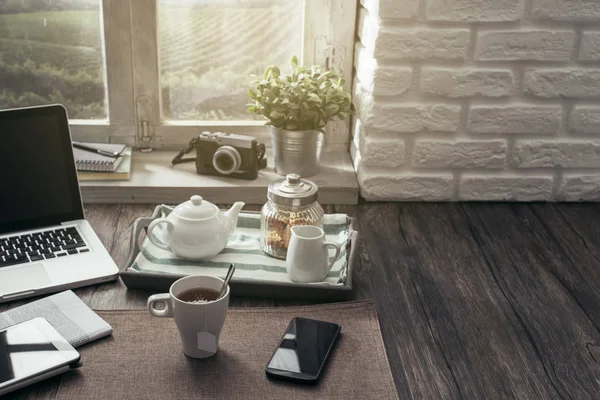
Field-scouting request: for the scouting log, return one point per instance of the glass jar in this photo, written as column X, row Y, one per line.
column 292, row 201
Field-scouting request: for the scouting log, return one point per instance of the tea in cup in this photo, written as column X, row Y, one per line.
column 198, row 311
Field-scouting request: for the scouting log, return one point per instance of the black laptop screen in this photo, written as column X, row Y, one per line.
column 38, row 184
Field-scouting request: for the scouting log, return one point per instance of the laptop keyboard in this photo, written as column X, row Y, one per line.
column 40, row 246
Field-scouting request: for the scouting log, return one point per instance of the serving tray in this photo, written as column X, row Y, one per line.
column 241, row 286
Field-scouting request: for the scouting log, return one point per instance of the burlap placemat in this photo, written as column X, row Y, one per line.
column 143, row 359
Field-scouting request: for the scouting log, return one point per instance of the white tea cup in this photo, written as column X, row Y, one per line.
column 199, row 323
column 308, row 256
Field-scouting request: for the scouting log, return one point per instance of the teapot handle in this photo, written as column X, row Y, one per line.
column 153, row 225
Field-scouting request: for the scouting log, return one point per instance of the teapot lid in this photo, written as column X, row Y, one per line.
column 293, row 191
column 196, row 209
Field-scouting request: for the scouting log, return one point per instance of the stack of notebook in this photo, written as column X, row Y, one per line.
column 94, row 166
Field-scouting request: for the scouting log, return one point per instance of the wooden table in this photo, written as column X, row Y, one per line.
column 475, row 301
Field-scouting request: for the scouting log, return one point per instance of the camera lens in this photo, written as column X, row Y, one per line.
column 227, row 160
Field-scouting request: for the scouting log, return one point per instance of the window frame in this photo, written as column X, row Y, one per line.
column 132, row 74
column 119, row 125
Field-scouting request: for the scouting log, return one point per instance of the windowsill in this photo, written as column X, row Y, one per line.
column 154, row 180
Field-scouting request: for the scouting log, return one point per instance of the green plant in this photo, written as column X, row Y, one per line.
column 306, row 99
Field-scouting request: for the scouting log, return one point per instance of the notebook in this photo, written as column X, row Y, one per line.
column 90, row 161
column 75, row 321
column 122, row 172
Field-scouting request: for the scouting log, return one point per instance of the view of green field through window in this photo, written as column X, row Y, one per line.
column 51, row 52
column 210, row 48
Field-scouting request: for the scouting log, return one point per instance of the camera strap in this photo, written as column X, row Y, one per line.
column 179, row 157
column 262, row 158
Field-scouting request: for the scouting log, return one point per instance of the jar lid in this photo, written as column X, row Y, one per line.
column 293, row 191
column 196, row 209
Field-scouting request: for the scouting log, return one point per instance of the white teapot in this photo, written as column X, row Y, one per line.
column 196, row 229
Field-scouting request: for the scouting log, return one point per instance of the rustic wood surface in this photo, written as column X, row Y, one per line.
column 475, row 301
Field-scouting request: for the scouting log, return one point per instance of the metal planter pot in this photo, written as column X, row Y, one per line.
column 297, row 152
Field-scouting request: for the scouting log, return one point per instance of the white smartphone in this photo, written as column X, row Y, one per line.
column 31, row 352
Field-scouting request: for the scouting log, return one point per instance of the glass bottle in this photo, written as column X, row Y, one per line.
column 292, row 201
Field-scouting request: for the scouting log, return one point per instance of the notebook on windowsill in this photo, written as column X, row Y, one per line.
column 89, row 161
column 122, row 172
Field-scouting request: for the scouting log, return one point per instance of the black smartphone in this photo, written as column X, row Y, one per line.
column 303, row 350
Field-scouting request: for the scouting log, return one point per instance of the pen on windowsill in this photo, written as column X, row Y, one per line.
column 113, row 154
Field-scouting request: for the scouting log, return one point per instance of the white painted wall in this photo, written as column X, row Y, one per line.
column 478, row 100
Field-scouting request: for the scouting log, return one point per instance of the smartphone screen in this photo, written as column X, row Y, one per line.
column 304, row 349
column 25, row 351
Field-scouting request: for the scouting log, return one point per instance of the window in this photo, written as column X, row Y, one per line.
column 52, row 53
column 154, row 73
column 207, row 53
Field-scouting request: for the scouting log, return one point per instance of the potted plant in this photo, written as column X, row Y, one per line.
column 298, row 106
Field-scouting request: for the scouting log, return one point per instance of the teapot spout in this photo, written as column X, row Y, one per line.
column 232, row 214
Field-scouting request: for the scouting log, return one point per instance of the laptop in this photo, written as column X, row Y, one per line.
column 46, row 245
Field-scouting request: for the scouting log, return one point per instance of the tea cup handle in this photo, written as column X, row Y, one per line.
column 164, row 298
column 153, row 225
column 337, row 253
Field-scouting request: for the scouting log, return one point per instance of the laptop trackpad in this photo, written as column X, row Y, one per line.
column 23, row 278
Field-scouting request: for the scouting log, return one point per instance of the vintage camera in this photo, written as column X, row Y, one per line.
column 226, row 154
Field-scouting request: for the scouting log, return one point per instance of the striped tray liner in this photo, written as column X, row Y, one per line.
column 244, row 251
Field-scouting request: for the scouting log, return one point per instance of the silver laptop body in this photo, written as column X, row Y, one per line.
column 46, row 245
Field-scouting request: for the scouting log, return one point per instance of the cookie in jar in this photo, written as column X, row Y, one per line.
column 291, row 201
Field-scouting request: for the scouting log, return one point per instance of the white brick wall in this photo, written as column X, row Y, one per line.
column 585, row 119
column 589, row 50
column 473, row 10
column 467, row 82
column 459, row 154
column 517, row 118
column 538, row 45
column 566, row 10
column 492, row 100
column 582, row 83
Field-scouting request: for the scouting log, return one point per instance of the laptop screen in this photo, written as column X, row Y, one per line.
column 38, row 182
